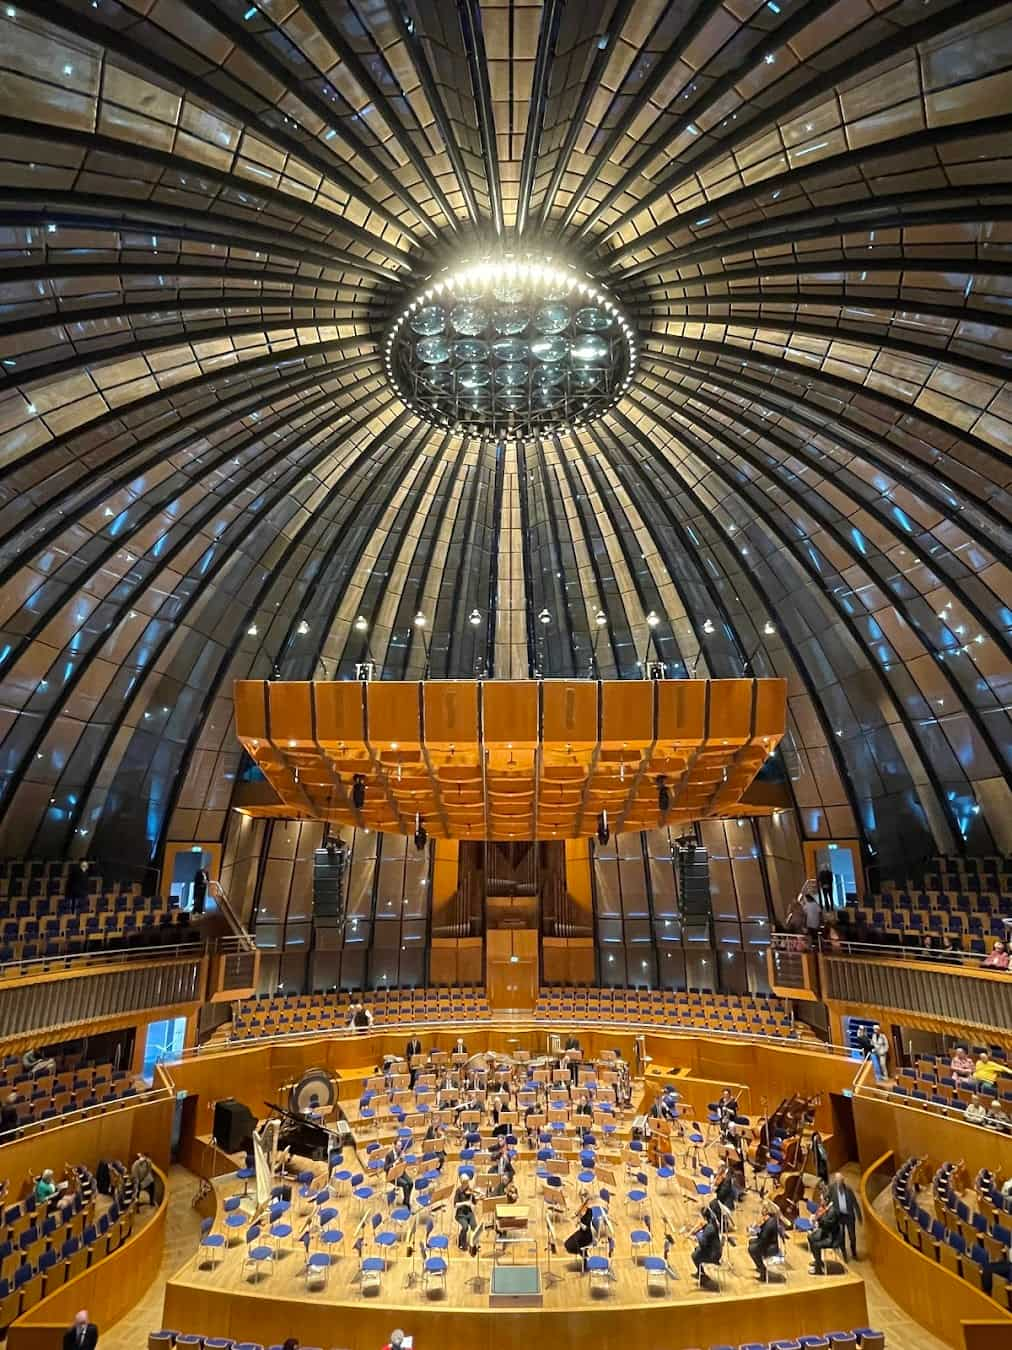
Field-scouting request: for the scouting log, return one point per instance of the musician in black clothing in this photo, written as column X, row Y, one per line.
column 826, row 1235
column 726, row 1192
column 578, row 1242
column 766, row 1239
column 464, row 1201
column 708, row 1246
column 413, row 1048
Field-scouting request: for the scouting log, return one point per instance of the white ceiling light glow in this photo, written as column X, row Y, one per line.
column 511, row 347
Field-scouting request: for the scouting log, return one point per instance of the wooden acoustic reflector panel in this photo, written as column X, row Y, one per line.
column 504, row 759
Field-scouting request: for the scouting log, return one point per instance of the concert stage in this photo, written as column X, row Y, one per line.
column 220, row 1304
column 618, row 1314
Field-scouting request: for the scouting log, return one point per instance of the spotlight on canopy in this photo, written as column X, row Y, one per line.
column 511, row 346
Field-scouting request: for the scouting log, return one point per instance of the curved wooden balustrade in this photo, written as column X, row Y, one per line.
column 108, row 1289
column 932, row 1295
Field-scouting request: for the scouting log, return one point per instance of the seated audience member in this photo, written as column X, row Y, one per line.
column 961, row 1065
column 143, row 1174
column 950, row 947
column 362, row 1017
column 45, row 1187
column 975, row 1112
column 998, row 1117
column 832, row 939
column 37, row 1065
column 987, row 1070
column 997, row 958
column 9, row 1113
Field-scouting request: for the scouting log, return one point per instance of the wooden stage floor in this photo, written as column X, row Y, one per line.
column 227, row 1301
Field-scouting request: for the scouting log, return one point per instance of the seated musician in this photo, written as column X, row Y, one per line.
column 725, row 1187
column 435, row 1133
column 507, row 1192
column 826, row 1235
column 765, row 1239
column 708, row 1244
column 502, row 1164
column 579, row 1241
column 464, row 1200
column 665, row 1106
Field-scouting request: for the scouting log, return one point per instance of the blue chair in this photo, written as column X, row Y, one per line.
column 318, row 1267
column 213, row 1245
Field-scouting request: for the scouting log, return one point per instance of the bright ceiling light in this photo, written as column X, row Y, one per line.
column 420, row 620
column 510, row 346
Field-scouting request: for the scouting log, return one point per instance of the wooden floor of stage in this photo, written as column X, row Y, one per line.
column 182, row 1233
column 564, row 1285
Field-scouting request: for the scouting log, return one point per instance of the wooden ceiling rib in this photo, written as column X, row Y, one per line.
column 516, row 759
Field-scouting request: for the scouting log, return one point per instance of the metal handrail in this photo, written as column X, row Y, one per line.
column 47, row 965
column 879, row 1093
column 513, row 1023
column 244, row 938
column 929, row 956
column 33, row 1127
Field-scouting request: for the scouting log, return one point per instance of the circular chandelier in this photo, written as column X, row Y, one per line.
column 511, row 347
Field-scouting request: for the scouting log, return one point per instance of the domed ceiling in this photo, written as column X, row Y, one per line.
column 211, row 213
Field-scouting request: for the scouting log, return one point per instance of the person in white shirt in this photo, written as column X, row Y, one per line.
column 975, row 1112
column 997, row 1116
column 879, row 1051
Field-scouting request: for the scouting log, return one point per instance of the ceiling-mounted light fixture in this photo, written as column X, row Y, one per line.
column 302, row 628
column 653, row 618
column 360, row 624
column 419, row 620
column 252, row 630
column 474, row 618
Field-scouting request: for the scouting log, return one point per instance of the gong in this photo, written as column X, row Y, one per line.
column 313, row 1092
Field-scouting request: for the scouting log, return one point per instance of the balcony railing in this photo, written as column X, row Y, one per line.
column 155, row 978
column 962, row 995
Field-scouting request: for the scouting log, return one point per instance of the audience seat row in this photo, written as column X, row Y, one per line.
column 43, row 1248
column 47, row 1096
column 279, row 1015
column 756, row 1015
column 864, row 1337
column 960, row 1236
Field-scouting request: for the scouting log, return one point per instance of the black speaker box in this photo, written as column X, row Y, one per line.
column 233, row 1125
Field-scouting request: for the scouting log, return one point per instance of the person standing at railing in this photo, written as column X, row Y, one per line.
column 77, row 887
column 813, row 918
column 201, row 881
column 879, row 1052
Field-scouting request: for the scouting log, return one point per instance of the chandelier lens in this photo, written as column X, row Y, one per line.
column 511, row 347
